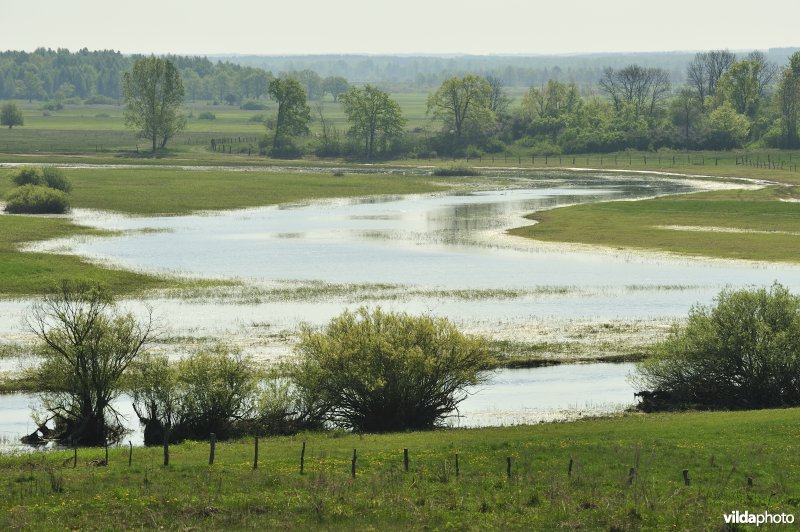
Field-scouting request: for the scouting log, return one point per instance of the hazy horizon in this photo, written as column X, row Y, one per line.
column 417, row 27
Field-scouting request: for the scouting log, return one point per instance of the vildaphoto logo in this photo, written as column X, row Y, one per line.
column 764, row 518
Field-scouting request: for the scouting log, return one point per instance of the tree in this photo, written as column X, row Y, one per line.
column 767, row 71
column 153, row 95
column 788, row 102
column 375, row 119
column 335, row 86
column 744, row 352
column 498, row 99
column 463, row 104
column 740, row 86
column 637, row 88
column 293, row 111
column 704, row 71
column 377, row 371
column 11, row 115
column 87, row 346
column 727, row 128
column 686, row 112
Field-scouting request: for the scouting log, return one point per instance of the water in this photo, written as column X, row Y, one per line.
column 426, row 246
column 509, row 397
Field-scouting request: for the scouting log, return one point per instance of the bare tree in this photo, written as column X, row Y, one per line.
column 498, row 100
column 87, row 347
column 767, row 73
column 642, row 88
column 704, row 71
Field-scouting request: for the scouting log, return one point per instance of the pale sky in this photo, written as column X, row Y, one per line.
column 267, row 27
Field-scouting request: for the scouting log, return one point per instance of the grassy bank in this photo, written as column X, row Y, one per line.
column 755, row 225
column 720, row 451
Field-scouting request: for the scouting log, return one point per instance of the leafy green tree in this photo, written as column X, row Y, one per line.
column 11, row 115
column 744, row 352
column 293, row 111
column 727, row 128
column 788, row 102
column 740, row 86
column 375, row 119
column 335, row 86
column 463, row 105
column 87, row 346
column 686, row 112
column 153, row 95
column 377, row 371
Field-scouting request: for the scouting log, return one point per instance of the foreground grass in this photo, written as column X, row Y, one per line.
column 755, row 225
column 720, row 450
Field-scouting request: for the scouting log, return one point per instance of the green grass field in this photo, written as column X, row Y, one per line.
column 753, row 225
column 719, row 450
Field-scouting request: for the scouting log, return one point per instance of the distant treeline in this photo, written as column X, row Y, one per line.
column 96, row 75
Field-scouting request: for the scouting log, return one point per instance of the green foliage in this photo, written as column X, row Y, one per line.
column 455, row 170
column 293, row 112
column 86, row 346
column 464, row 107
column 206, row 115
column 377, row 371
column 153, row 94
column 744, row 352
column 727, row 128
column 47, row 176
column 11, row 115
column 35, row 199
column 251, row 105
column 375, row 119
column 216, row 388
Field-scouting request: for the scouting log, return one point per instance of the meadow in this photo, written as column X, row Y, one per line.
column 752, row 225
column 621, row 473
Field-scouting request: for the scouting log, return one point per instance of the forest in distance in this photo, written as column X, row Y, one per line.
column 713, row 100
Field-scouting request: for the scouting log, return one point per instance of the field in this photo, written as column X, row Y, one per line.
column 753, row 225
column 626, row 474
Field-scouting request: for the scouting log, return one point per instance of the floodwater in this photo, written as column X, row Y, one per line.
column 510, row 397
column 420, row 254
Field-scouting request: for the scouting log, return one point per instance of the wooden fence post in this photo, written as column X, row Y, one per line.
column 405, row 459
column 508, row 466
column 211, row 450
column 631, row 475
column 457, row 471
column 353, row 466
column 686, row 477
column 130, row 453
column 255, row 458
column 302, row 458
column 569, row 469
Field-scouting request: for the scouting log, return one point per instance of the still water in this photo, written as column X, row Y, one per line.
column 509, row 397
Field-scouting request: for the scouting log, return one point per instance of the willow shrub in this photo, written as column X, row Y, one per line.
column 377, row 371
column 34, row 199
column 744, row 352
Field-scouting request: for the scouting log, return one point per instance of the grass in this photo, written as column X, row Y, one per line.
column 752, row 225
column 720, row 451
column 36, row 273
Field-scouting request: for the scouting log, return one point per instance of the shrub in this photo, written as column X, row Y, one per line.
column 27, row 175
column 455, row 170
column 742, row 353
column 54, row 178
column 206, row 115
column 99, row 99
column 35, row 199
column 252, row 105
column 216, row 389
column 47, row 176
column 377, row 371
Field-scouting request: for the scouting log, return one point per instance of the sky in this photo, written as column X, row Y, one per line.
column 486, row 27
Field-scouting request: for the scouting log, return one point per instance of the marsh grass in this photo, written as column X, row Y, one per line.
column 765, row 226
column 720, row 450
